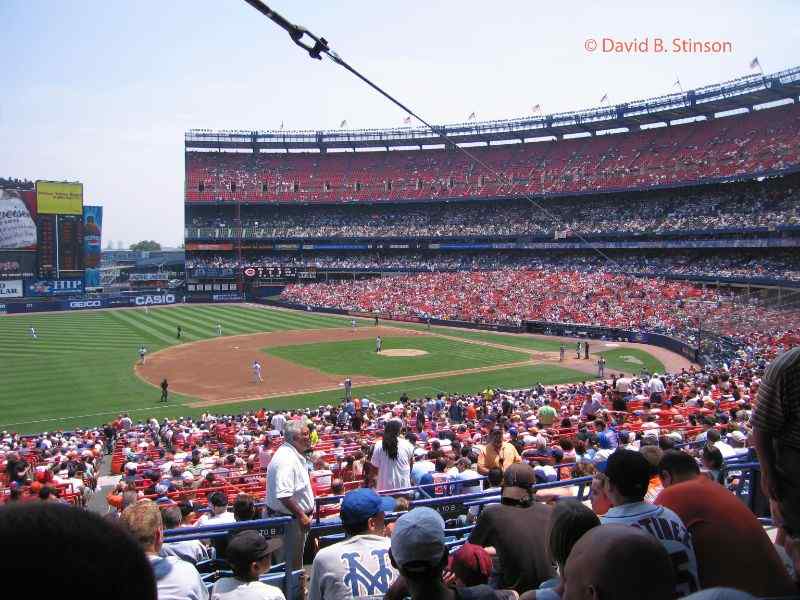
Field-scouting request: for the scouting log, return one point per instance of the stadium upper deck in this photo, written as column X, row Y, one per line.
column 760, row 141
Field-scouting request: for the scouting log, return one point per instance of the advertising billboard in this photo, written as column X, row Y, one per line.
column 92, row 235
column 59, row 198
column 17, row 220
column 17, row 265
column 11, row 289
column 55, row 287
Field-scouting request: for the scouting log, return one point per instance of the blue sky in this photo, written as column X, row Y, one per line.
column 102, row 91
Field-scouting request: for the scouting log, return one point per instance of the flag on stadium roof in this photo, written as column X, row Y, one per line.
column 471, row 116
column 537, row 109
column 343, row 123
column 281, row 124
column 678, row 84
column 754, row 64
column 604, row 98
column 407, row 120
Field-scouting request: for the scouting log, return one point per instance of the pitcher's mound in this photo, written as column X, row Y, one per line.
column 402, row 352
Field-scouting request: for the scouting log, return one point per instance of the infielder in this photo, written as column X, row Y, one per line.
column 33, row 333
column 578, row 350
column 561, row 352
column 257, row 372
column 601, row 367
column 180, row 332
column 353, row 324
column 142, row 352
column 378, row 343
column 219, row 329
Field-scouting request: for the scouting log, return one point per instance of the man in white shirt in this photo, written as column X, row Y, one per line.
column 176, row 579
column 626, row 482
column 278, row 422
column 289, row 492
column 360, row 565
column 218, row 503
column 656, row 387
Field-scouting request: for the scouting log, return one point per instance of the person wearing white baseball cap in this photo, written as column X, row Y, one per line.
column 419, row 553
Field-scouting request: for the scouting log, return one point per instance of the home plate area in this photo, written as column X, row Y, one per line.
column 402, row 352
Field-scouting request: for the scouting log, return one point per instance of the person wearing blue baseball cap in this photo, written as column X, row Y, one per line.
column 360, row 565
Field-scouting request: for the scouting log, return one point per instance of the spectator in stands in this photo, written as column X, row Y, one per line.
column 721, row 526
column 776, row 421
column 218, row 503
column 497, row 453
column 393, row 457
column 289, row 491
column 620, row 563
column 626, row 483
column 519, row 521
column 358, row 566
column 249, row 555
column 418, row 552
column 175, row 578
column 192, row 551
column 60, row 548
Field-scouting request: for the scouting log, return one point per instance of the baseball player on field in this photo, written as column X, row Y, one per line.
column 219, row 329
column 142, row 353
column 378, row 343
column 353, row 324
column 257, row 372
column 33, row 332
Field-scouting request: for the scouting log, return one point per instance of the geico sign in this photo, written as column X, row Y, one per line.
column 164, row 299
column 86, row 304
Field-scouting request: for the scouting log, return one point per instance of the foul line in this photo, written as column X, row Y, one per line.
column 113, row 412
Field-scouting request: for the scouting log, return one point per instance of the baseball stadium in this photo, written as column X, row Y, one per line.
column 452, row 345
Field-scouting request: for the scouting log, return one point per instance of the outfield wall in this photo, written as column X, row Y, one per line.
column 89, row 303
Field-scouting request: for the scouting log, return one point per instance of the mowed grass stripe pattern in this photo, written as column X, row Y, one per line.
column 82, row 362
column 358, row 357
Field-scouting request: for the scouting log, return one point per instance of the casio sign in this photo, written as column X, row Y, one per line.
column 86, row 304
column 162, row 299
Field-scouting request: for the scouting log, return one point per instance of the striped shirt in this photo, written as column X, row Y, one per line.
column 778, row 410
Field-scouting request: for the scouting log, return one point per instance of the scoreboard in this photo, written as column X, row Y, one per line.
column 270, row 273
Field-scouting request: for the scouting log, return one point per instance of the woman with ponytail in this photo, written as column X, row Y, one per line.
column 393, row 456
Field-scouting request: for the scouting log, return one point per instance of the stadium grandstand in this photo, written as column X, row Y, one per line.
column 662, row 234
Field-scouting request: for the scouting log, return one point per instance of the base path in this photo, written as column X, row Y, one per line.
column 220, row 370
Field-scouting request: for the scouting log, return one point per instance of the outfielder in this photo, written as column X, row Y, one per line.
column 33, row 332
column 219, row 329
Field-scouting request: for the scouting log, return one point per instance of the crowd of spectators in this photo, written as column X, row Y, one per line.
column 779, row 265
column 13, row 183
column 512, row 296
column 760, row 141
column 624, row 432
column 742, row 205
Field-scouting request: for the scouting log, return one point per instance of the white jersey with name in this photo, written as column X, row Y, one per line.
column 667, row 528
column 356, row 567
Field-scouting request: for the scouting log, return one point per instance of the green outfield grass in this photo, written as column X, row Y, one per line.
column 630, row 360
column 79, row 372
column 358, row 357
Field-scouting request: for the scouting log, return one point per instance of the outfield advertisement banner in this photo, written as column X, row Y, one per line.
column 11, row 288
column 59, row 198
column 92, row 235
column 54, row 287
column 17, row 220
column 17, row 265
column 153, row 299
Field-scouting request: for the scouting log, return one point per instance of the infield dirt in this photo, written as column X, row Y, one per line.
column 219, row 371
